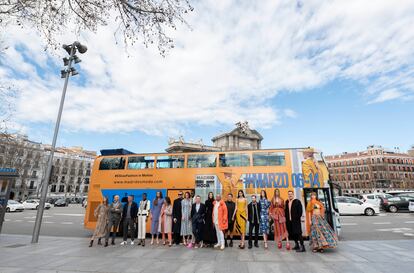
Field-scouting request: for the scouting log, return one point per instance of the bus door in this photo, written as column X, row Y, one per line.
column 323, row 195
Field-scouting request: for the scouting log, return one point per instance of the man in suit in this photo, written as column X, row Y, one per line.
column 293, row 213
column 177, row 215
column 253, row 215
column 129, row 217
column 115, row 210
column 198, row 212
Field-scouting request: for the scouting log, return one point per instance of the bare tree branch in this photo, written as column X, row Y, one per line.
column 145, row 20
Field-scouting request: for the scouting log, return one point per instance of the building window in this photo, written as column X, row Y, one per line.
column 85, row 189
column 269, row 159
column 234, row 160
column 53, row 188
column 61, row 188
column 201, row 161
column 31, row 185
column 112, row 163
column 170, row 162
column 141, row 162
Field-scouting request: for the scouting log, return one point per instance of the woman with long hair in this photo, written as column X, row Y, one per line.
column 240, row 215
column 264, row 216
column 321, row 234
column 166, row 214
column 155, row 217
column 209, row 237
column 277, row 212
column 102, row 214
column 186, row 229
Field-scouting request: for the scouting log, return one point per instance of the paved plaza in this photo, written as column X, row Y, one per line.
column 59, row 254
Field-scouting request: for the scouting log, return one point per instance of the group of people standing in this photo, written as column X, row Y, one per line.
column 213, row 223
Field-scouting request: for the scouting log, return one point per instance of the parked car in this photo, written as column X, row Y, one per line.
column 376, row 198
column 351, row 205
column 13, row 205
column 61, row 203
column 398, row 203
column 397, row 193
column 34, row 204
column 411, row 206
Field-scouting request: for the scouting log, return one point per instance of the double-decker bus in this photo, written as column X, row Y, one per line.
column 302, row 170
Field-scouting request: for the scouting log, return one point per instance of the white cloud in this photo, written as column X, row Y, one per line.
column 390, row 94
column 290, row 113
column 239, row 56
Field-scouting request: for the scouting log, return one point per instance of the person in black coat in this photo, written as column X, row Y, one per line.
column 253, row 216
column 231, row 207
column 198, row 213
column 129, row 217
column 177, row 215
column 210, row 237
column 293, row 213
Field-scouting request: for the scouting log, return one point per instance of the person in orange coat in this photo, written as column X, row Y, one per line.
column 220, row 220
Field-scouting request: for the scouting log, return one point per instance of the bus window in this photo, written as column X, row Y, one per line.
column 112, row 163
column 140, row 162
column 234, row 160
column 269, row 159
column 171, row 161
column 201, row 161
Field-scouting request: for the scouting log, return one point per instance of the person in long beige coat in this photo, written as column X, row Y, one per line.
column 102, row 214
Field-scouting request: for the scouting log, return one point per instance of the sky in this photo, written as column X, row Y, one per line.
column 335, row 75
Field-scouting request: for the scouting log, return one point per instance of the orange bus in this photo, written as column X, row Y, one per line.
column 302, row 170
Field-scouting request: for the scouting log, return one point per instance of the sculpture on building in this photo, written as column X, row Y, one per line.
column 243, row 127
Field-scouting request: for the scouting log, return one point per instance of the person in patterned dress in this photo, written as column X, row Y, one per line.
column 277, row 212
column 102, row 214
column 186, row 229
column 264, row 216
column 321, row 234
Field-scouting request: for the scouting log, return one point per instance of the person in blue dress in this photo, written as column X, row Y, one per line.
column 264, row 216
column 155, row 217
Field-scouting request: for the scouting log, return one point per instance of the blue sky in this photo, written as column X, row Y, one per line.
column 336, row 75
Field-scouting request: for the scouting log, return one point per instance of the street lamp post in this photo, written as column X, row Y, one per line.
column 65, row 73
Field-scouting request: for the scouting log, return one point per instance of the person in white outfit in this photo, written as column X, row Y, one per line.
column 143, row 212
column 220, row 220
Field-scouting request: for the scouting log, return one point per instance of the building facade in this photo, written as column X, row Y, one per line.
column 240, row 138
column 70, row 174
column 374, row 170
column 71, row 171
column 27, row 157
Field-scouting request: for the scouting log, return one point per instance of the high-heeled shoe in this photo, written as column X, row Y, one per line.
column 152, row 242
column 287, row 246
column 279, row 245
column 265, row 245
